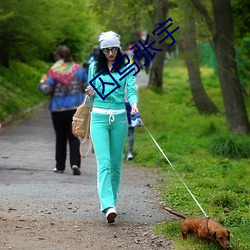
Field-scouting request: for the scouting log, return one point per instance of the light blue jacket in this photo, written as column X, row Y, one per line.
column 116, row 99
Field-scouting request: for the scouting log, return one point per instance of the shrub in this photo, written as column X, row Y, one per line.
column 223, row 200
column 231, row 146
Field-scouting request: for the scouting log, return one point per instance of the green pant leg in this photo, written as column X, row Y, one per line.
column 118, row 139
column 108, row 139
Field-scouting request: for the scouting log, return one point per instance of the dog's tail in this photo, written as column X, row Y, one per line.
column 175, row 213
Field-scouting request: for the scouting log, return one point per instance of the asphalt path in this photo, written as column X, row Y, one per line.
column 31, row 190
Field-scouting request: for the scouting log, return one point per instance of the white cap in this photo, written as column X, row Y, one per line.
column 109, row 39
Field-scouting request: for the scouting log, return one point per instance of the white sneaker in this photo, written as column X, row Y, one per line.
column 76, row 170
column 130, row 156
column 58, row 171
column 111, row 214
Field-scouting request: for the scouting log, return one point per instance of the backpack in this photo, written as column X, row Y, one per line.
column 81, row 126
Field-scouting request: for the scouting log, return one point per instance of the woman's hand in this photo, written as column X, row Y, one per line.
column 134, row 109
column 43, row 79
column 90, row 91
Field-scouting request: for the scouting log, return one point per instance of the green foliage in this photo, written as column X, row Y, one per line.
column 224, row 200
column 19, row 87
column 231, row 146
column 29, row 33
column 219, row 183
column 241, row 17
column 243, row 61
column 242, row 35
column 202, row 31
column 135, row 17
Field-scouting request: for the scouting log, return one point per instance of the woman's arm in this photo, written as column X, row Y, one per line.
column 132, row 93
column 46, row 85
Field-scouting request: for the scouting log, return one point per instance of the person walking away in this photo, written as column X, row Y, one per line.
column 66, row 83
column 131, row 129
column 130, row 133
column 148, row 62
column 93, row 55
column 109, row 123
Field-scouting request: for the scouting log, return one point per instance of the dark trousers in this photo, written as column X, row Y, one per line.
column 130, row 139
column 62, row 122
column 130, row 129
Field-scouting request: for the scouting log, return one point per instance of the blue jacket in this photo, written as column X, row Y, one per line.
column 65, row 97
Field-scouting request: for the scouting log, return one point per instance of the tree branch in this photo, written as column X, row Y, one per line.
column 202, row 9
column 172, row 5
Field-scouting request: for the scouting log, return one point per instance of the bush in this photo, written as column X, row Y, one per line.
column 19, row 88
column 231, row 146
column 224, row 200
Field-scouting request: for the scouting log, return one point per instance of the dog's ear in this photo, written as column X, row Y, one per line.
column 214, row 235
column 228, row 237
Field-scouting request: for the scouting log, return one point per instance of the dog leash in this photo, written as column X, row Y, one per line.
column 174, row 169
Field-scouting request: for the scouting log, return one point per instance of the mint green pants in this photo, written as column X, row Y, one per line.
column 108, row 136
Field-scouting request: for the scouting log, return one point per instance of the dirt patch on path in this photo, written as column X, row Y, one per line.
column 50, row 234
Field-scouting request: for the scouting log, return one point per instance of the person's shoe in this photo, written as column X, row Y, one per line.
column 111, row 214
column 76, row 170
column 58, row 171
column 130, row 156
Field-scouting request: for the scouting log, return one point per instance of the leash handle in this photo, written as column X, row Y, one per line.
column 174, row 170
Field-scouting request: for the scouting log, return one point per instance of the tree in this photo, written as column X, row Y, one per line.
column 223, row 37
column 129, row 19
column 242, row 32
column 136, row 17
column 201, row 99
column 28, row 33
column 156, row 72
column 241, row 17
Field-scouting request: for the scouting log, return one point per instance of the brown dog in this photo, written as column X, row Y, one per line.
column 204, row 229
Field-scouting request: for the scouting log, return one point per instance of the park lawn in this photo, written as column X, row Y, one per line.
column 190, row 140
column 220, row 183
column 19, row 88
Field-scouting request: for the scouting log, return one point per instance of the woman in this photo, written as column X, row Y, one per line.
column 109, row 123
column 65, row 84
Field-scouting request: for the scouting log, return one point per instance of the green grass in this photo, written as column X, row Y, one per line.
column 19, row 88
column 214, row 165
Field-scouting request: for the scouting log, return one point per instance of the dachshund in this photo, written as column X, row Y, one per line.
column 204, row 229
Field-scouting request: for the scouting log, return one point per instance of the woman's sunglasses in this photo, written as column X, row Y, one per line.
column 113, row 50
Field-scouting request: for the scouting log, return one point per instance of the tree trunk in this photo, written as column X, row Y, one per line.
column 235, row 109
column 201, row 99
column 156, row 71
column 223, row 37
